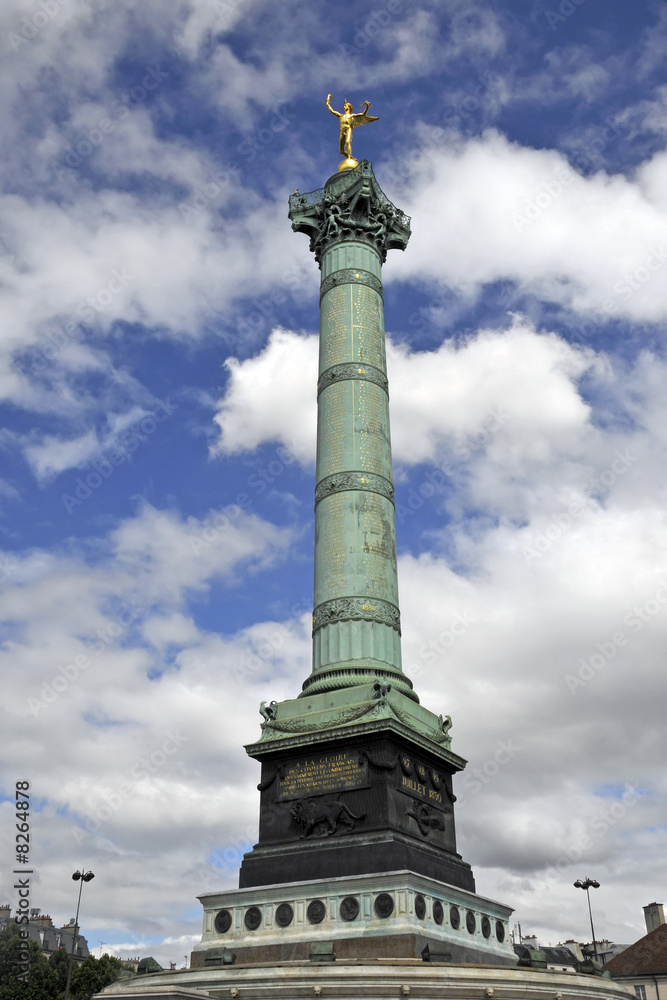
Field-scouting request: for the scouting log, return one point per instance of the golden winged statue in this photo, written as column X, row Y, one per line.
column 348, row 121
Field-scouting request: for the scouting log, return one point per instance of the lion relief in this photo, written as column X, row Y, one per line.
column 322, row 819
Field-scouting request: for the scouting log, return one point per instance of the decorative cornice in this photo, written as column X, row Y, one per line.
column 369, row 609
column 350, row 276
column 341, row 482
column 351, row 206
column 350, row 370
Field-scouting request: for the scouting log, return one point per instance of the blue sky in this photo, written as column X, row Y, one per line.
column 157, row 383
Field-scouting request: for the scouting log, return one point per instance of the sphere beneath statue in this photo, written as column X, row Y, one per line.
column 348, row 164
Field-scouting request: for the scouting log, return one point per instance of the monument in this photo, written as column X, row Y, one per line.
column 357, row 839
column 355, row 886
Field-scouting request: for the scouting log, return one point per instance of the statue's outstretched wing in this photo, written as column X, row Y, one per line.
column 361, row 119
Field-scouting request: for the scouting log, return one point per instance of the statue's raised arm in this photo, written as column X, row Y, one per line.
column 348, row 121
column 336, row 113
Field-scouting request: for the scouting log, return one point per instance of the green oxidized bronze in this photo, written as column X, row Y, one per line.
column 356, row 773
column 356, row 622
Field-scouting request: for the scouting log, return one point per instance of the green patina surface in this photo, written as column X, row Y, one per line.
column 356, row 621
column 357, row 688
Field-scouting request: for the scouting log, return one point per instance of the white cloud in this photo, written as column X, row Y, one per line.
column 53, row 455
column 513, row 391
column 504, row 212
column 286, row 370
column 80, row 680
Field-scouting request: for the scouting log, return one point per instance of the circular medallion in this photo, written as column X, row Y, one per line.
column 406, row 764
column 223, row 921
column 471, row 923
column 316, row 911
column 253, row 918
column 349, row 908
column 384, row 905
column 436, row 780
column 284, row 915
column 420, row 906
column 438, row 912
column 421, row 772
column 500, row 930
column 454, row 917
column 486, row 927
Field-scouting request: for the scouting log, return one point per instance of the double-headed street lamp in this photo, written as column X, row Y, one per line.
column 587, row 884
column 78, row 877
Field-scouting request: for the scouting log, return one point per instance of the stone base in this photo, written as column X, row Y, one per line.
column 368, row 917
column 375, row 981
column 352, row 855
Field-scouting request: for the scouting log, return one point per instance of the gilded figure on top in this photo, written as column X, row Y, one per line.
column 348, row 121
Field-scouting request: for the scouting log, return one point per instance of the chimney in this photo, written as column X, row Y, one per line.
column 5, row 911
column 654, row 915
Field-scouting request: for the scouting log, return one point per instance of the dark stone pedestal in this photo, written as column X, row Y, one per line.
column 356, row 807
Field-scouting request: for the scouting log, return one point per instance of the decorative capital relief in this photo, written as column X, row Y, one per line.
column 342, row 482
column 356, row 609
column 349, row 370
column 351, row 206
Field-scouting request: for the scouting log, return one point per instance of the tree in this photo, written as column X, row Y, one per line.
column 92, row 975
column 46, row 978
column 38, row 983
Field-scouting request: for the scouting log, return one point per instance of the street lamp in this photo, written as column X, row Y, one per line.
column 587, row 884
column 78, row 877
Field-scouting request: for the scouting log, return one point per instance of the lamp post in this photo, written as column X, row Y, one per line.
column 587, row 884
column 78, row 877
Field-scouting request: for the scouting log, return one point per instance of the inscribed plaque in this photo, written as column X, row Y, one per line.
column 321, row 773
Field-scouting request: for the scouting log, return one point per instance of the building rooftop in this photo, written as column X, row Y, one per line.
column 648, row 956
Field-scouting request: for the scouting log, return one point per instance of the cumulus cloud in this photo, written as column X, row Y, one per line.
column 595, row 244
column 102, row 664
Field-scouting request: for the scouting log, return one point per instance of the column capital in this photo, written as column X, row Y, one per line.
column 350, row 206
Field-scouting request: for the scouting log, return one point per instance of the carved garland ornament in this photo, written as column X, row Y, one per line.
column 341, row 482
column 342, row 609
column 350, row 276
column 351, row 370
column 306, row 726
